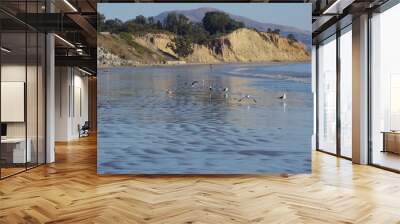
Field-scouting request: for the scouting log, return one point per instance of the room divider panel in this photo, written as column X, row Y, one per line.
column 22, row 77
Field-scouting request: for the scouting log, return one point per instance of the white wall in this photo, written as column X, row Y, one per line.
column 80, row 109
column 17, row 73
column 70, row 84
column 9, row 73
column 33, row 126
column 13, row 72
column 62, row 82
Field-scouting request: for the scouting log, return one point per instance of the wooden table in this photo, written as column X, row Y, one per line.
column 391, row 141
column 16, row 147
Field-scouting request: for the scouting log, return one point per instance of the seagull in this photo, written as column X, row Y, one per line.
column 248, row 97
column 226, row 92
column 169, row 92
column 194, row 83
column 283, row 97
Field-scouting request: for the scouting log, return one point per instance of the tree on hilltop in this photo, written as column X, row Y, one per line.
column 291, row 38
column 220, row 22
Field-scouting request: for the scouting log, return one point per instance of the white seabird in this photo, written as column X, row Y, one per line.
column 283, row 97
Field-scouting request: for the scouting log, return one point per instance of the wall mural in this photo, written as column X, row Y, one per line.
column 204, row 88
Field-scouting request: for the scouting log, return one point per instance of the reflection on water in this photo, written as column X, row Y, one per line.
column 202, row 119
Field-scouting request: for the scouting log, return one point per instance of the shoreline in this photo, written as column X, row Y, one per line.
column 205, row 64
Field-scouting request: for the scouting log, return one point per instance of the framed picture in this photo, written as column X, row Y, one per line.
column 204, row 88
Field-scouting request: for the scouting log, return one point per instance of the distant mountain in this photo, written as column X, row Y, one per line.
column 196, row 15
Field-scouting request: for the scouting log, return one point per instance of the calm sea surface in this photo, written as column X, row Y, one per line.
column 179, row 119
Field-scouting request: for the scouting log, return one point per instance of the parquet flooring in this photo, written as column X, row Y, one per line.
column 70, row 191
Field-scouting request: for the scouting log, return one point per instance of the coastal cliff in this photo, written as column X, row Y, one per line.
column 242, row 45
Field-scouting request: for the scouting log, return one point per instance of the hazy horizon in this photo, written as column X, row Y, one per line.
column 276, row 13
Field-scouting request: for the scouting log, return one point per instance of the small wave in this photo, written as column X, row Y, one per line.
column 240, row 72
column 285, row 77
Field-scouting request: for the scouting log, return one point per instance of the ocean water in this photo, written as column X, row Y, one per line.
column 179, row 119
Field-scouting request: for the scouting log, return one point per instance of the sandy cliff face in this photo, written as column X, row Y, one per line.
column 202, row 54
column 242, row 45
column 157, row 42
column 114, row 51
column 246, row 45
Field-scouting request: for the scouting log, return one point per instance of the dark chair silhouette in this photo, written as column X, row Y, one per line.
column 84, row 130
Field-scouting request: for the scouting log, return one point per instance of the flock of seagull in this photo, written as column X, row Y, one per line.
column 225, row 91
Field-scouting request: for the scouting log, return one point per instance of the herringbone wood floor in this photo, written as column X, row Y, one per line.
column 70, row 191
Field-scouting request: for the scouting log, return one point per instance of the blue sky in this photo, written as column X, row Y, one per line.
column 290, row 14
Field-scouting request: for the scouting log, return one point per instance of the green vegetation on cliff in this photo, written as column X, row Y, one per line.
column 129, row 40
column 213, row 25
